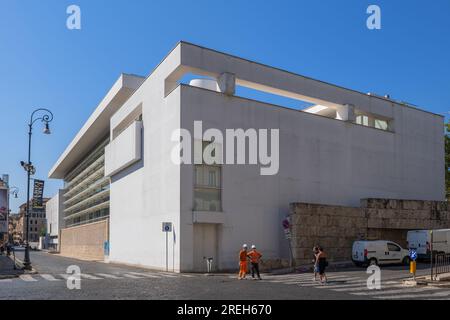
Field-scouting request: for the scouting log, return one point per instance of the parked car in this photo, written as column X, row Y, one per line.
column 378, row 252
column 34, row 245
column 420, row 241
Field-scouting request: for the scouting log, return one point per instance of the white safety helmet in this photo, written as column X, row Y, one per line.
column 244, row 246
column 253, row 247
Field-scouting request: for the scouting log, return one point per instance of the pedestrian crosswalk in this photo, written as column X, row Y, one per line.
column 97, row 276
column 355, row 283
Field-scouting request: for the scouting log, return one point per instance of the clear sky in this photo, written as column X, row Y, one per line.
column 43, row 64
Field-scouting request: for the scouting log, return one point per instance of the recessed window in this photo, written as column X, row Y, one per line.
column 362, row 120
column 207, row 187
column 381, row 124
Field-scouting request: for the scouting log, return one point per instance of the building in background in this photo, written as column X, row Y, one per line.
column 4, row 208
column 54, row 209
column 121, row 183
column 15, row 229
column 37, row 221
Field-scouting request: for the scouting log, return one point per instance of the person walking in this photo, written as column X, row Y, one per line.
column 316, row 266
column 322, row 264
column 255, row 257
column 243, row 262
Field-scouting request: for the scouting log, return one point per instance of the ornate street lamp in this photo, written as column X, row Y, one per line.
column 14, row 191
column 46, row 118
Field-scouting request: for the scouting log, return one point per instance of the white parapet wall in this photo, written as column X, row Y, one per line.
column 124, row 150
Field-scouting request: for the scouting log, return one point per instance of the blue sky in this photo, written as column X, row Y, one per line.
column 43, row 64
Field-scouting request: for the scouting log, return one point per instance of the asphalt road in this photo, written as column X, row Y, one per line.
column 107, row 281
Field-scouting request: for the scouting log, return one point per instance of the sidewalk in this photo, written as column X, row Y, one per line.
column 7, row 268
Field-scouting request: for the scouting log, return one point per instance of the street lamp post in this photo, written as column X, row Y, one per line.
column 46, row 118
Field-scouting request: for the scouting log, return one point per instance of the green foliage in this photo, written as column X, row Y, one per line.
column 43, row 232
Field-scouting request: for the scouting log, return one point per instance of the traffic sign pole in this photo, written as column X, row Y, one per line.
column 413, row 268
column 167, row 251
column 413, row 264
column 166, row 228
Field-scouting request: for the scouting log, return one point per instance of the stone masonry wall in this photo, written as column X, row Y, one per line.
column 335, row 228
column 85, row 241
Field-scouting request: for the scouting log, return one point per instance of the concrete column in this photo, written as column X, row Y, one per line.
column 345, row 112
column 227, row 83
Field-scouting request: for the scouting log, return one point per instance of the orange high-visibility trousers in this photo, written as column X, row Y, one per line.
column 242, row 269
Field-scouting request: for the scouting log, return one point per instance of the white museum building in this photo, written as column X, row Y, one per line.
column 338, row 146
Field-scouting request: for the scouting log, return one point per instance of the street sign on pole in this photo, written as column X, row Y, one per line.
column 413, row 263
column 166, row 228
column 413, row 254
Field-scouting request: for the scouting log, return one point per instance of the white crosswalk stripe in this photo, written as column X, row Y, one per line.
column 146, row 275
column 168, row 275
column 131, row 276
column 27, row 278
column 100, row 276
column 334, row 284
column 355, row 286
column 364, row 288
column 355, row 283
column 49, row 277
column 108, row 276
column 90, row 277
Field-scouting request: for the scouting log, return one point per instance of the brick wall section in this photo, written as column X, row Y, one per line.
column 335, row 228
column 85, row 242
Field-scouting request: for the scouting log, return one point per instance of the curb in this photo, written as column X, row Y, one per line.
column 20, row 265
column 423, row 281
column 8, row 276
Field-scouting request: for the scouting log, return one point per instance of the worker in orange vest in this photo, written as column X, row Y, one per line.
column 243, row 262
column 255, row 256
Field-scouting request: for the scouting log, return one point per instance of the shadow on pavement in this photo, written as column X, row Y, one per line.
column 8, row 268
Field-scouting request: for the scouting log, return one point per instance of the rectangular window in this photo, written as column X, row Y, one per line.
column 208, row 187
column 381, row 124
column 362, row 120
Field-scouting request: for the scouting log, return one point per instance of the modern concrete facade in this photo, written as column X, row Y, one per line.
column 346, row 146
column 54, row 210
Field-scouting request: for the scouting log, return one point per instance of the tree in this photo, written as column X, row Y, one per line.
column 43, row 232
column 447, row 160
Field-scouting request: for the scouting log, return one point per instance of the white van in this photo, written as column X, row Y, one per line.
column 420, row 240
column 378, row 253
